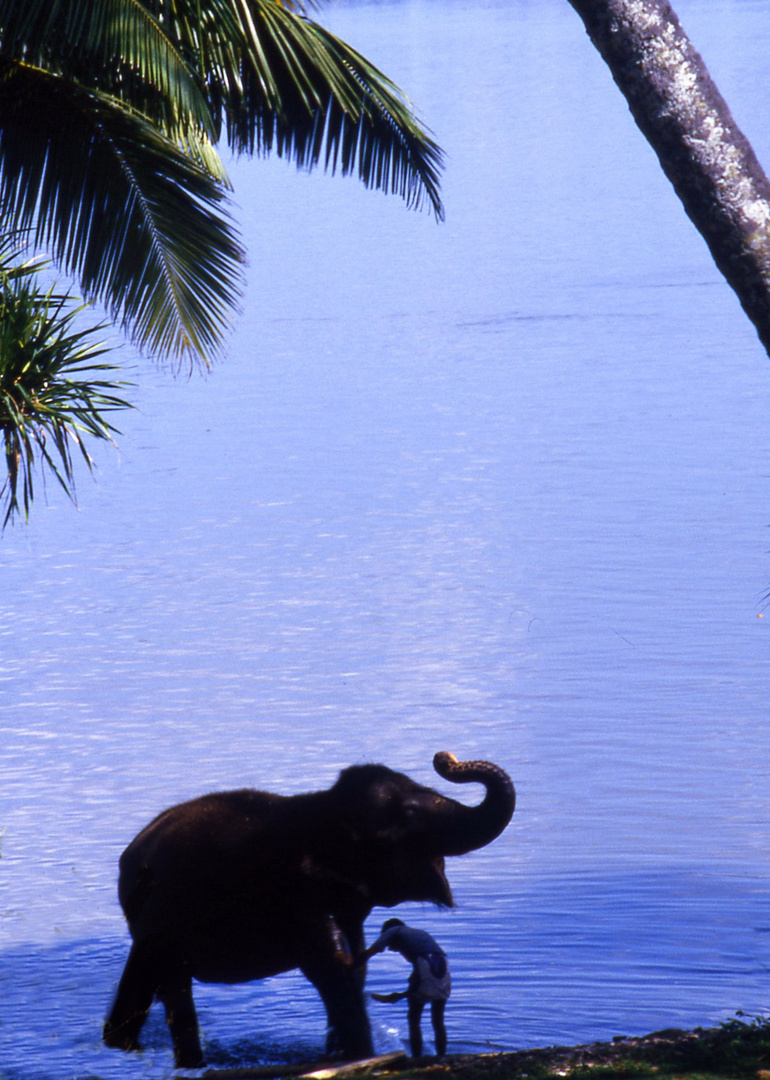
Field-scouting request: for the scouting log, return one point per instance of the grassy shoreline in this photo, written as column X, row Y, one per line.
column 735, row 1050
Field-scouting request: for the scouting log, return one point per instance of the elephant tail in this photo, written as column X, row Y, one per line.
column 134, row 890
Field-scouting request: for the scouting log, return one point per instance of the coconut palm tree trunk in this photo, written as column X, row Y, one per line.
column 701, row 149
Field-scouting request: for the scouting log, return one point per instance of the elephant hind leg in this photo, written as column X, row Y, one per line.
column 155, row 969
column 177, row 998
column 136, row 991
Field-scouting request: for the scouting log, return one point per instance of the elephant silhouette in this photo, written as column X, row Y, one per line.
column 242, row 885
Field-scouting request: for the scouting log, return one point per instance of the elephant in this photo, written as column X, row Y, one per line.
column 241, row 885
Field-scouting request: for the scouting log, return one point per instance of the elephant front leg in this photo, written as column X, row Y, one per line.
column 349, row 1032
column 329, row 965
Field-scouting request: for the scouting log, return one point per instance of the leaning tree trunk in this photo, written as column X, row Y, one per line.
column 702, row 151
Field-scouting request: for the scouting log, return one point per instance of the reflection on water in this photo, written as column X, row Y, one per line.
column 497, row 487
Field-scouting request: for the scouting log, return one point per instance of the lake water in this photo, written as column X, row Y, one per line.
column 499, row 486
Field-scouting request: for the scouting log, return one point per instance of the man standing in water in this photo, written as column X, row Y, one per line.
column 429, row 982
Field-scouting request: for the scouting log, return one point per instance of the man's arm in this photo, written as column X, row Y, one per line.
column 376, row 947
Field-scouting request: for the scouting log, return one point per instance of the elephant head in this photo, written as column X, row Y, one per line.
column 400, row 831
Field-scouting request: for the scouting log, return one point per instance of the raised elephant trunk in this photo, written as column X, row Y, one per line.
column 465, row 828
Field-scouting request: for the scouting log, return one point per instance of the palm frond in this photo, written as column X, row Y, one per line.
column 109, row 115
column 116, row 46
column 336, row 108
column 279, row 82
column 121, row 206
column 52, row 393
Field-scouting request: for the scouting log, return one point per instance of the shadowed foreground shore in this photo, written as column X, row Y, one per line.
column 738, row 1048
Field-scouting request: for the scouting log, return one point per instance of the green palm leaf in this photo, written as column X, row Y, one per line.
column 52, row 391
column 108, row 114
column 114, row 46
column 358, row 119
column 283, row 83
column 122, row 206
column 271, row 78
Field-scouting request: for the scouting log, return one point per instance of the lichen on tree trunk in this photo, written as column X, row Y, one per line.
column 702, row 151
